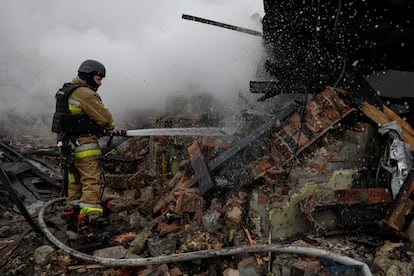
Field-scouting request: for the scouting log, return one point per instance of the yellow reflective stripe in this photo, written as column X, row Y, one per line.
column 87, row 147
column 74, row 105
column 86, row 153
column 74, row 108
column 71, row 178
column 86, row 210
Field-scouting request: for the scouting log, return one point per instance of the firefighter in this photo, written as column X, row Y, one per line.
column 80, row 119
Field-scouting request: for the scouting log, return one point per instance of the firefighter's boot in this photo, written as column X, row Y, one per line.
column 88, row 217
column 69, row 214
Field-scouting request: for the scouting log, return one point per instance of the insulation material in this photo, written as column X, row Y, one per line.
column 400, row 158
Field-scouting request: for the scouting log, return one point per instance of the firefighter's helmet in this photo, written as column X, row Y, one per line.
column 90, row 66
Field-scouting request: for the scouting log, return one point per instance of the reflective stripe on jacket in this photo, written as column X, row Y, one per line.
column 87, row 101
column 74, row 105
column 87, row 150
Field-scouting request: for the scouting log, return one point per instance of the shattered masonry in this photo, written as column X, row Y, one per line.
column 262, row 186
column 311, row 174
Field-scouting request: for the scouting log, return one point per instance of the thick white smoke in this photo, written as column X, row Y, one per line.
column 149, row 51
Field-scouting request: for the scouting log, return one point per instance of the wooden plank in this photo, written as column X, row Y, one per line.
column 252, row 242
column 16, row 200
column 34, row 170
column 6, row 252
column 381, row 118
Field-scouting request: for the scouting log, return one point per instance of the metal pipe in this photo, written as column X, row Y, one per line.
column 195, row 255
column 222, row 25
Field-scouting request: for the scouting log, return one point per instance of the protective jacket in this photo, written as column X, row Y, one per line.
column 80, row 112
column 85, row 101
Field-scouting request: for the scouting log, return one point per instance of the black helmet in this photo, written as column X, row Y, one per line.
column 89, row 66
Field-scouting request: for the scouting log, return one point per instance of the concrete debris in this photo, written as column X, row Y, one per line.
column 393, row 259
column 200, row 241
column 139, row 244
column 316, row 174
column 42, row 254
column 248, row 266
column 231, row 272
column 211, row 221
column 114, row 252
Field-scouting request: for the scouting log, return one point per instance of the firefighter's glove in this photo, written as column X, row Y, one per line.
column 110, row 126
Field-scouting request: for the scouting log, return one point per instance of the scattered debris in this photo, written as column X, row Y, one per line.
column 173, row 195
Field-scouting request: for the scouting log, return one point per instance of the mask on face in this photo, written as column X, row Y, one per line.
column 89, row 80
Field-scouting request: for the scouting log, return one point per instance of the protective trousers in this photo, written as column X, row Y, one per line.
column 86, row 182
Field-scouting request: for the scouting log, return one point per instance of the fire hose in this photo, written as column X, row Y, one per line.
column 180, row 131
column 203, row 254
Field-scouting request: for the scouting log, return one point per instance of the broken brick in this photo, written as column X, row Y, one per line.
column 168, row 228
column 234, row 214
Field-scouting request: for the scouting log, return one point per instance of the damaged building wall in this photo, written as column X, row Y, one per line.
column 287, row 220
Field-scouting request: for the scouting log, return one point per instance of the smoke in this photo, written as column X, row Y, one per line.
column 150, row 52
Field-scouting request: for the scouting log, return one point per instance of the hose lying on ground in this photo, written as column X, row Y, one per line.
column 197, row 254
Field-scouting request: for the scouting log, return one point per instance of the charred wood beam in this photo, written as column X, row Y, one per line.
column 251, row 138
column 222, row 25
column 47, row 152
column 265, row 87
column 34, row 170
column 401, row 212
column 274, row 88
column 271, row 89
column 205, row 182
column 16, row 200
column 15, row 168
column 6, row 252
column 30, row 187
column 24, row 192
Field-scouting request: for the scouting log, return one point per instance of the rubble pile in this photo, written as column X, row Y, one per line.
column 315, row 175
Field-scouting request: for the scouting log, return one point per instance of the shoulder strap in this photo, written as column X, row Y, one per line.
column 69, row 87
column 62, row 96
